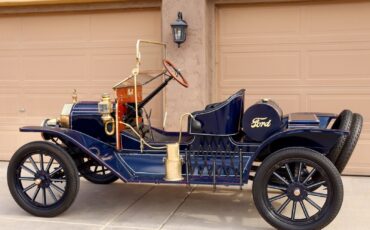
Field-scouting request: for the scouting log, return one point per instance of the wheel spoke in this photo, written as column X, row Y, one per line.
column 313, row 203
column 35, row 194
column 52, row 194
column 309, row 176
column 55, row 171
column 278, row 197
column 42, row 161
column 57, row 188
column 277, row 187
column 103, row 168
column 27, row 178
column 283, row 206
column 323, row 195
column 58, row 180
column 289, row 172
column 28, row 169
column 96, row 168
column 299, row 171
column 49, row 164
column 304, row 209
column 294, row 209
column 281, row 178
column 33, row 163
column 44, row 195
column 29, row 187
column 316, row 184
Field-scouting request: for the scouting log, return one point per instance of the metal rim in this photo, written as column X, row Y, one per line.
column 303, row 194
column 41, row 179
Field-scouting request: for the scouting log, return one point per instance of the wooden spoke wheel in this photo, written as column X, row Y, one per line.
column 43, row 179
column 96, row 173
column 298, row 201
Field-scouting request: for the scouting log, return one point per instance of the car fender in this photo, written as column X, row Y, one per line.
column 320, row 140
column 102, row 152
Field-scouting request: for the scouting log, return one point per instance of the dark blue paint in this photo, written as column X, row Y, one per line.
column 86, row 118
column 221, row 132
column 262, row 111
column 220, row 118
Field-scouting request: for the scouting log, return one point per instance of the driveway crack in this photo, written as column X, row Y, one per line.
column 176, row 209
column 127, row 208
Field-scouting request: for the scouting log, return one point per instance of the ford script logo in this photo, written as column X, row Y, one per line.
column 260, row 122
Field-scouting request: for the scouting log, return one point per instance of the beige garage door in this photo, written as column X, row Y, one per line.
column 308, row 57
column 43, row 57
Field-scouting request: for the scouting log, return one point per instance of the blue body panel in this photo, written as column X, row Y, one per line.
column 100, row 151
column 217, row 152
column 134, row 165
column 221, row 119
column 86, row 118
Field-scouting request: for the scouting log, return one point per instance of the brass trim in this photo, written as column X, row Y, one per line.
column 107, row 108
column 64, row 121
column 173, row 163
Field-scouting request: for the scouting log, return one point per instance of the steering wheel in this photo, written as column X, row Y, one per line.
column 175, row 73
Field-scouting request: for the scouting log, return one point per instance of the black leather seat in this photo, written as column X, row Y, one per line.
column 223, row 118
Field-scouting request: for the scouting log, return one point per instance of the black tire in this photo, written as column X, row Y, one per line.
column 50, row 190
column 296, row 190
column 96, row 173
column 350, row 143
column 343, row 122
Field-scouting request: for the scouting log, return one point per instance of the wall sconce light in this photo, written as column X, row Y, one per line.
column 179, row 29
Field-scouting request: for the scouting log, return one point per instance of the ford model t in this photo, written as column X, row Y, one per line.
column 294, row 160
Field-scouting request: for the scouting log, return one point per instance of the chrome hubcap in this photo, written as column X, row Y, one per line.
column 38, row 181
column 297, row 192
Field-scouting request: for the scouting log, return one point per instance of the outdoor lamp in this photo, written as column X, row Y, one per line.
column 179, row 29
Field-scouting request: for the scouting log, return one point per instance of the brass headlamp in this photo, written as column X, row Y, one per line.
column 105, row 108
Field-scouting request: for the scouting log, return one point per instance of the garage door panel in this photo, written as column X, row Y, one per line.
column 307, row 57
column 10, row 104
column 337, row 102
column 276, row 21
column 48, row 105
column 338, row 18
column 8, row 141
column 43, row 57
column 118, row 26
column 10, row 28
column 50, row 67
column 55, row 27
column 360, row 161
column 9, row 68
column 339, row 64
column 289, row 102
column 111, row 67
column 246, row 66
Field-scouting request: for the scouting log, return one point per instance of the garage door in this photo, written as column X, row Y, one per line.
column 307, row 57
column 43, row 57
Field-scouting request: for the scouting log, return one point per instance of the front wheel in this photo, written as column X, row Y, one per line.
column 292, row 203
column 43, row 179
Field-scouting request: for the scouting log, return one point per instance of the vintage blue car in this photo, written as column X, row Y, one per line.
column 294, row 160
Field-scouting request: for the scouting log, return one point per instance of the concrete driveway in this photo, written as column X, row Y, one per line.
column 136, row 206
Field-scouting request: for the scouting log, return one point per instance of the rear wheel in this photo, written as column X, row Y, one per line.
column 292, row 203
column 351, row 142
column 43, row 179
column 96, row 173
column 343, row 122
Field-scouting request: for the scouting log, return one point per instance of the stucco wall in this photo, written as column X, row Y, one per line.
column 191, row 58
